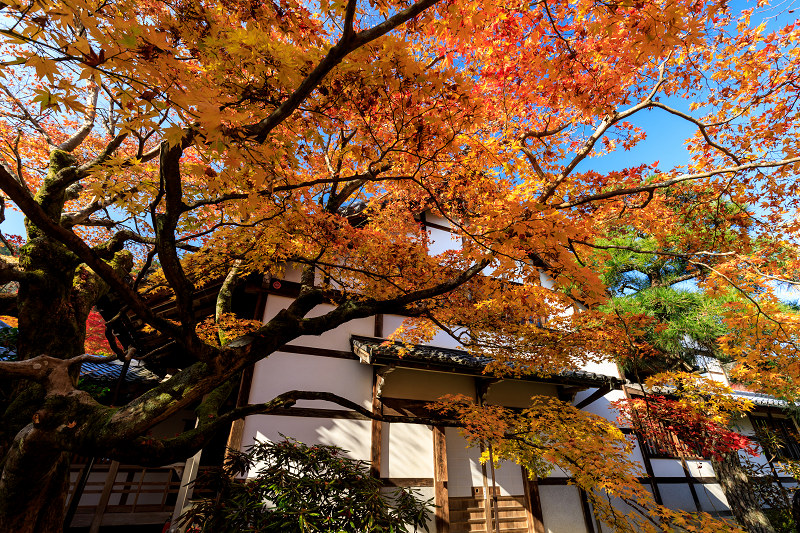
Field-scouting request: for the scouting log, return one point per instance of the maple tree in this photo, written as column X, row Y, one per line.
column 214, row 139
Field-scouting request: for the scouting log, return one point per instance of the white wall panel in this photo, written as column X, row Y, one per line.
column 335, row 339
column 677, row 496
column 667, row 467
column 351, row 435
column 282, row 372
column 442, row 241
column 711, row 498
column 561, row 509
column 463, row 465
column 410, row 451
column 601, row 406
column 517, row 393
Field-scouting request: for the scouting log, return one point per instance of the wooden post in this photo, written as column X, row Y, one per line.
column 481, row 388
column 104, row 497
column 440, row 480
column 588, row 517
column 377, row 425
column 533, row 504
column 236, row 434
column 185, row 492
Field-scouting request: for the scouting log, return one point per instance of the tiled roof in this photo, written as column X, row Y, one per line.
column 759, row 399
column 763, row 400
column 99, row 372
column 372, row 350
column 110, row 372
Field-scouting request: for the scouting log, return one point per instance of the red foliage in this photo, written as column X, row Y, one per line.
column 96, row 342
column 661, row 420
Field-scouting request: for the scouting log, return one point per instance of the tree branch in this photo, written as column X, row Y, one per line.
column 149, row 452
column 37, row 216
column 648, row 187
column 33, row 122
column 346, row 44
column 600, row 131
column 88, row 123
column 165, row 224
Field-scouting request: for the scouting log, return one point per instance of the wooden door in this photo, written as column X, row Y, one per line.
column 468, row 515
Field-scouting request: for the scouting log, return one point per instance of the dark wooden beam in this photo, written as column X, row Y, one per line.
column 440, row 480
column 377, row 425
column 588, row 516
column 310, row 350
column 593, row 397
column 407, row 482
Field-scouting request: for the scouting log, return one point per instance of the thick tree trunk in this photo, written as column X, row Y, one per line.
column 33, row 486
column 796, row 510
column 54, row 302
column 736, row 486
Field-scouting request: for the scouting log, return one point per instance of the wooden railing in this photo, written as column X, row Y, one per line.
column 117, row 494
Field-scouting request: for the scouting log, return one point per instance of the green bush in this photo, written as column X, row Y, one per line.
column 299, row 488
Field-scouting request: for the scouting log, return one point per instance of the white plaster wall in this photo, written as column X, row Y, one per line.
column 711, row 498
column 441, row 339
column 607, row 368
column 667, row 468
column 282, row 372
column 407, row 451
column 351, row 435
column 602, row 406
column 425, row 385
column 621, row 507
column 436, row 219
column 463, row 465
column 508, row 477
column 699, row 468
column 561, row 509
column 335, row 339
column 677, row 496
column 442, row 241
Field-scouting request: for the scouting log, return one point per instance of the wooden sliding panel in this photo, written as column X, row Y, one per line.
column 533, row 505
column 440, row 480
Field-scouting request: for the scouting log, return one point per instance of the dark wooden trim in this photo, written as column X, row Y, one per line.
column 588, row 516
column 434, row 225
column 533, row 503
column 376, row 433
column 553, row 481
column 378, row 329
column 593, row 397
column 691, row 481
column 311, row 412
column 440, row 480
column 407, row 481
column 281, row 287
column 236, row 434
column 405, row 407
column 323, row 352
